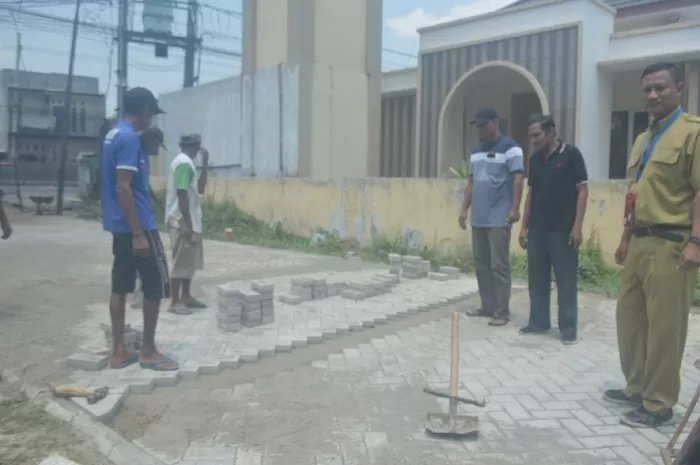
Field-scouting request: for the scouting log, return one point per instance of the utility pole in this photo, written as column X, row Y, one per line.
column 191, row 47
column 122, row 54
column 65, row 128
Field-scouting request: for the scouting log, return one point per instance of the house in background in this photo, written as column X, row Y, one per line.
column 31, row 115
column 580, row 60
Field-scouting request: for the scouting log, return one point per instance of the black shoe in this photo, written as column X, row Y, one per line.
column 618, row 396
column 642, row 418
column 529, row 329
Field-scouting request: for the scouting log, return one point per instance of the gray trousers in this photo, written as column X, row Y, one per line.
column 491, row 250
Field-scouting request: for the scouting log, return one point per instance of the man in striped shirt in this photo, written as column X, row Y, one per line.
column 494, row 191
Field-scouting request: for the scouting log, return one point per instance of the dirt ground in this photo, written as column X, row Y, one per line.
column 28, row 435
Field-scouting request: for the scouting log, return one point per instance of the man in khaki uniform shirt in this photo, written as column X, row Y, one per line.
column 659, row 251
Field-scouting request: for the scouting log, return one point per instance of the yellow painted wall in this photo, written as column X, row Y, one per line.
column 353, row 207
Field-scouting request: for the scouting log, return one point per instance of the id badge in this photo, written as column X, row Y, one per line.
column 629, row 209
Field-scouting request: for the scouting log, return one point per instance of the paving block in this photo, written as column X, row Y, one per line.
column 209, row 367
column 266, row 352
column 249, row 356
column 104, row 410
column 291, row 299
column 394, row 257
column 251, row 315
column 319, row 293
column 268, row 311
column 139, row 385
column 329, row 333
column 262, row 288
column 166, row 379
column 303, row 282
column 229, row 327
column 303, row 291
column 230, row 363
column 450, row 270
column 284, row 347
column 87, row 362
column 249, row 296
column 298, row 341
column 411, row 259
column 223, row 318
column 439, row 276
column 357, row 286
column 230, row 308
column 267, row 320
column 189, row 370
column 315, row 338
column 353, row 294
column 55, row 459
column 230, row 290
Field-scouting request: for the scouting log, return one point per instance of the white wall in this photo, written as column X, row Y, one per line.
column 240, row 122
column 674, row 42
column 519, row 20
column 400, row 81
column 596, row 92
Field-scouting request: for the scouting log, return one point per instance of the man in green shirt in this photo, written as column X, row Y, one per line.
column 183, row 215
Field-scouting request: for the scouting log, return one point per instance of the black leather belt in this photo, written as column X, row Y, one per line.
column 670, row 233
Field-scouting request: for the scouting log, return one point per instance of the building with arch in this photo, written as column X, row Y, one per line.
column 579, row 60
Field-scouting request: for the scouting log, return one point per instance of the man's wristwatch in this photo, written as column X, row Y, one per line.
column 694, row 240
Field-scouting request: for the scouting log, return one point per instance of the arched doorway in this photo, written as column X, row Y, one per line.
column 510, row 89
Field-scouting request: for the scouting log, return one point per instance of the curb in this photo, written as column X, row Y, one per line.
column 107, row 408
column 106, row 441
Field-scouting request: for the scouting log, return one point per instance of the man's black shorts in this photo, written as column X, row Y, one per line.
column 152, row 270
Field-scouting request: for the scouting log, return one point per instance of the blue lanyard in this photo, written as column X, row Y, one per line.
column 649, row 146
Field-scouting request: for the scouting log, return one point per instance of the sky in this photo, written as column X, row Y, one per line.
column 46, row 43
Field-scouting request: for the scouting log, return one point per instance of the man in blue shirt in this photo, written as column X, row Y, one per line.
column 136, row 244
column 494, row 190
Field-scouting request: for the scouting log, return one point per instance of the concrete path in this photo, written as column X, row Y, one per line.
column 363, row 404
column 55, row 269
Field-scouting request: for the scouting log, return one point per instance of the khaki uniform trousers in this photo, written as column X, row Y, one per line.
column 652, row 321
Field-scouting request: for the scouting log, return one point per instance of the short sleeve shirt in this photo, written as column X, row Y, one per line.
column 670, row 179
column 553, row 180
column 122, row 151
column 493, row 168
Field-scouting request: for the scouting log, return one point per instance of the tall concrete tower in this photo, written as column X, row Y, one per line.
column 336, row 47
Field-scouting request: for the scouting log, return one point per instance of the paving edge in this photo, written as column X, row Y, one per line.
column 105, row 410
column 106, row 441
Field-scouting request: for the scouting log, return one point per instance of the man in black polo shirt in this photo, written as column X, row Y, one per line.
column 551, row 227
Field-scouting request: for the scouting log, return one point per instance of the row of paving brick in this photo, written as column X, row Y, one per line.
column 204, row 350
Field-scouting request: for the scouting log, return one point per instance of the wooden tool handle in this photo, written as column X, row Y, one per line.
column 454, row 358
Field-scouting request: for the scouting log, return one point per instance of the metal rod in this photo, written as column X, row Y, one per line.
column 67, row 112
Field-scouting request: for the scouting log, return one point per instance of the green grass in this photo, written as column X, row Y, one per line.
column 595, row 275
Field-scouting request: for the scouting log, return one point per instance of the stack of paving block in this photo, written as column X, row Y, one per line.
column 336, row 288
column 380, row 284
column 132, row 338
column 251, row 303
column 394, row 263
column 452, row 272
column 413, row 267
column 228, row 318
column 305, row 289
column 267, row 301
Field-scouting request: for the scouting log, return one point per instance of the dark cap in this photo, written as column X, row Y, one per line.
column 484, row 115
column 138, row 98
column 190, row 139
column 154, row 134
